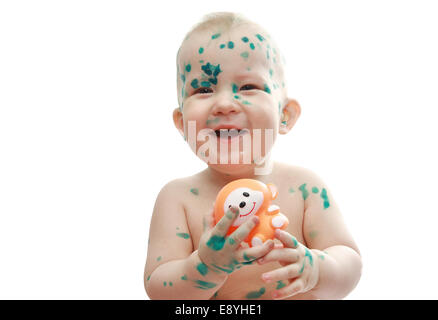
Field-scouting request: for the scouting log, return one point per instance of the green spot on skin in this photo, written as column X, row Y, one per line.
column 315, row 190
column 183, row 235
column 260, row 37
column 267, row 89
column 302, row 268
column 215, row 36
column 170, row 284
column 201, row 61
column 164, row 283
column 236, row 97
column 308, row 255
column 188, row 68
column 235, row 88
column 325, row 198
column 222, row 46
column 291, row 190
column 284, row 123
column 270, row 72
column 194, row 191
column 202, row 268
column 255, row 294
column 205, row 84
column 215, row 294
column 149, row 277
column 244, row 55
column 294, row 241
column 183, row 79
column 201, row 50
column 321, row 257
column 205, row 285
column 215, row 120
column 194, row 84
column 229, row 215
column 304, row 191
column 245, row 39
column 246, row 102
column 216, row 242
column 313, row 234
column 159, row 258
column 252, row 46
column 230, row 44
column 184, row 277
column 280, row 284
column 231, row 241
column 248, row 259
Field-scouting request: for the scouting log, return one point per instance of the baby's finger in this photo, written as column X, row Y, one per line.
column 292, row 289
column 241, row 233
column 225, row 223
column 286, row 238
column 247, row 256
column 287, row 255
column 285, row 273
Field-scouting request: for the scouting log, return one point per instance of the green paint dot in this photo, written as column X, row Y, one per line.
column 244, row 55
column 267, row 89
column 246, row 102
column 195, row 191
column 304, row 191
column 236, row 97
column 194, row 84
column 188, row 68
column 205, row 84
column 315, row 190
column 215, row 36
column 164, row 283
column 231, row 241
column 256, row 294
column 184, row 277
column 270, row 72
column 201, row 50
column 260, row 37
column 235, row 87
column 230, row 44
column 280, row 284
column 170, row 284
column 183, row 235
column 324, row 196
column 313, row 234
column 216, row 242
column 149, row 277
column 202, row 268
column 205, row 285
column 183, row 79
column 245, row 39
column 291, row 190
column 222, row 46
column 252, row 46
column 159, row 258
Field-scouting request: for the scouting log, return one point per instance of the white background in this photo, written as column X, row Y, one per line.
column 87, row 140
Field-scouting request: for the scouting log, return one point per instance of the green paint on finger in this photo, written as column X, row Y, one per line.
column 216, row 242
column 205, row 285
column 183, row 235
column 280, row 284
column 315, row 190
column 231, row 241
column 256, row 294
column 202, row 268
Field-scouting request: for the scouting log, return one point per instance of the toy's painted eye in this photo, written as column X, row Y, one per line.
column 229, row 206
column 242, row 204
column 246, row 194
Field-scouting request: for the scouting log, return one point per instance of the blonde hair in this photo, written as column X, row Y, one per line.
column 226, row 21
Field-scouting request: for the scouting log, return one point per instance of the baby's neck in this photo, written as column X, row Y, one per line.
column 222, row 178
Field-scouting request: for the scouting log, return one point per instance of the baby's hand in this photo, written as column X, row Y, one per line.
column 224, row 254
column 300, row 271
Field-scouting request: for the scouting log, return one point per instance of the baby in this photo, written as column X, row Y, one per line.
column 231, row 90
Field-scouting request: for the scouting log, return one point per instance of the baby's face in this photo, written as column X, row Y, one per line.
column 231, row 81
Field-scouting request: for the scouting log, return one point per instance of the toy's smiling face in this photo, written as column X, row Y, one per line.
column 247, row 200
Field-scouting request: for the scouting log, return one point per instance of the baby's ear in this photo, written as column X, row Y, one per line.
column 289, row 115
column 273, row 190
column 178, row 120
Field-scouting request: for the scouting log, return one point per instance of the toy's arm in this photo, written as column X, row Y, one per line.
column 273, row 210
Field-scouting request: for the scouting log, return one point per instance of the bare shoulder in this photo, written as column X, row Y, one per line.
column 296, row 175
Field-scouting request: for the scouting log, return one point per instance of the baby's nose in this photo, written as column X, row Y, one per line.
column 225, row 105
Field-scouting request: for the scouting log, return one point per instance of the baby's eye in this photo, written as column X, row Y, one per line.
column 203, row 90
column 248, row 87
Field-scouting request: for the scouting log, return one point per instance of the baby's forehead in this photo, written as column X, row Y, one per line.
column 246, row 44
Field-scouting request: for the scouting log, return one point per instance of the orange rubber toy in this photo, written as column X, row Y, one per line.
column 252, row 197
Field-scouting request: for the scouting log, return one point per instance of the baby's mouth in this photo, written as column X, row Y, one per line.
column 230, row 133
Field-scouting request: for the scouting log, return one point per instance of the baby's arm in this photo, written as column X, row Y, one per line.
column 171, row 266
column 326, row 234
column 174, row 270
